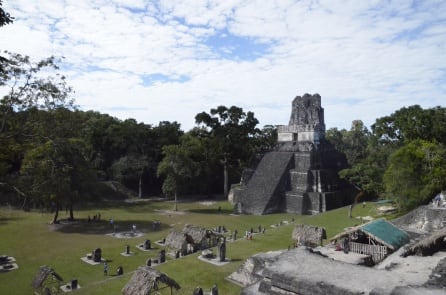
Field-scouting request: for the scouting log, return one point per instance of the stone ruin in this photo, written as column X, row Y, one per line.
column 301, row 175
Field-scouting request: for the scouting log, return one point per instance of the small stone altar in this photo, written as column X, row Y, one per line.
column 70, row 286
column 7, row 263
column 94, row 258
column 127, row 251
column 301, row 174
column 219, row 259
column 146, row 246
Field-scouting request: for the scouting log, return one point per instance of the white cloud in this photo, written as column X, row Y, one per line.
column 366, row 58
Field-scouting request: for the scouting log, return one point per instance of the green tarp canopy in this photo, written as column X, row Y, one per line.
column 386, row 233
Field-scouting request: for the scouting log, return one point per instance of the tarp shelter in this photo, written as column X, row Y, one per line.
column 147, row 280
column 377, row 238
column 40, row 282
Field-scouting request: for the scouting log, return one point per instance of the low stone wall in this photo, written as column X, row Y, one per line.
column 425, row 218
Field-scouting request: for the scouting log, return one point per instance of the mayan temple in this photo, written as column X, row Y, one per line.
column 301, row 175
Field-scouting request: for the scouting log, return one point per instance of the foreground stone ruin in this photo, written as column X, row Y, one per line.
column 301, row 271
column 418, row 267
column 300, row 176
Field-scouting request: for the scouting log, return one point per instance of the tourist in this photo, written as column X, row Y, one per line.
column 105, row 268
column 214, row 290
column 346, row 245
column 134, row 228
column 198, row 291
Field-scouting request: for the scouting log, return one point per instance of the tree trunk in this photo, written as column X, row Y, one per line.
column 225, row 176
column 140, row 186
column 71, row 212
column 24, row 206
column 56, row 214
column 175, row 206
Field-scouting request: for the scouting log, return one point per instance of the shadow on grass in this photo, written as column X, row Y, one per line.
column 104, row 227
column 129, row 205
column 6, row 220
column 212, row 211
column 236, row 259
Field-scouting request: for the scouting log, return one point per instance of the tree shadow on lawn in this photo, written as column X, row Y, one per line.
column 137, row 206
column 104, row 227
column 212, row 211
column 6, row 220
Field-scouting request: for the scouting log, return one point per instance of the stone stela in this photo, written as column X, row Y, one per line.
column 301, row 174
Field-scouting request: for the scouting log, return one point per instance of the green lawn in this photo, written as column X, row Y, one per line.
column 29, row 238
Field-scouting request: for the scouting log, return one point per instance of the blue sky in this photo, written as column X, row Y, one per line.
column 170, row 60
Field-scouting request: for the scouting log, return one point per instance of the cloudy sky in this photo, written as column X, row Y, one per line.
column 169, row 60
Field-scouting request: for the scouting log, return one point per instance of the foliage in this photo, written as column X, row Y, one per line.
column 54, row 173
column 266, row 139
column 177, row 166
column 5, row 17
column 28, row 85
column 412, row 123
column 29, row 92
column 416, row 172
column 352, row 143
column 128, row 151
column 356, row 144
column 232, row 132
column 32, row 113
column 387, row 160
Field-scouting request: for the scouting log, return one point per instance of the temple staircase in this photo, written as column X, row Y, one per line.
column 264, row 191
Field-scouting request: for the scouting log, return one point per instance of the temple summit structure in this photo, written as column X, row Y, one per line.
column 301, row 175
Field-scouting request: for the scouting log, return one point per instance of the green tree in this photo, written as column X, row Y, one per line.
column 352, row 143
column 233, row 132
column 204, row 152
column 416, row 172
column 28, row 88
column 29, row 95
column 5, row 17
column 177, row 166
column 53, row 173
column 129, row 167
column 410, row 123
column 355, row 144
column 266, row 139
column 336, row 137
